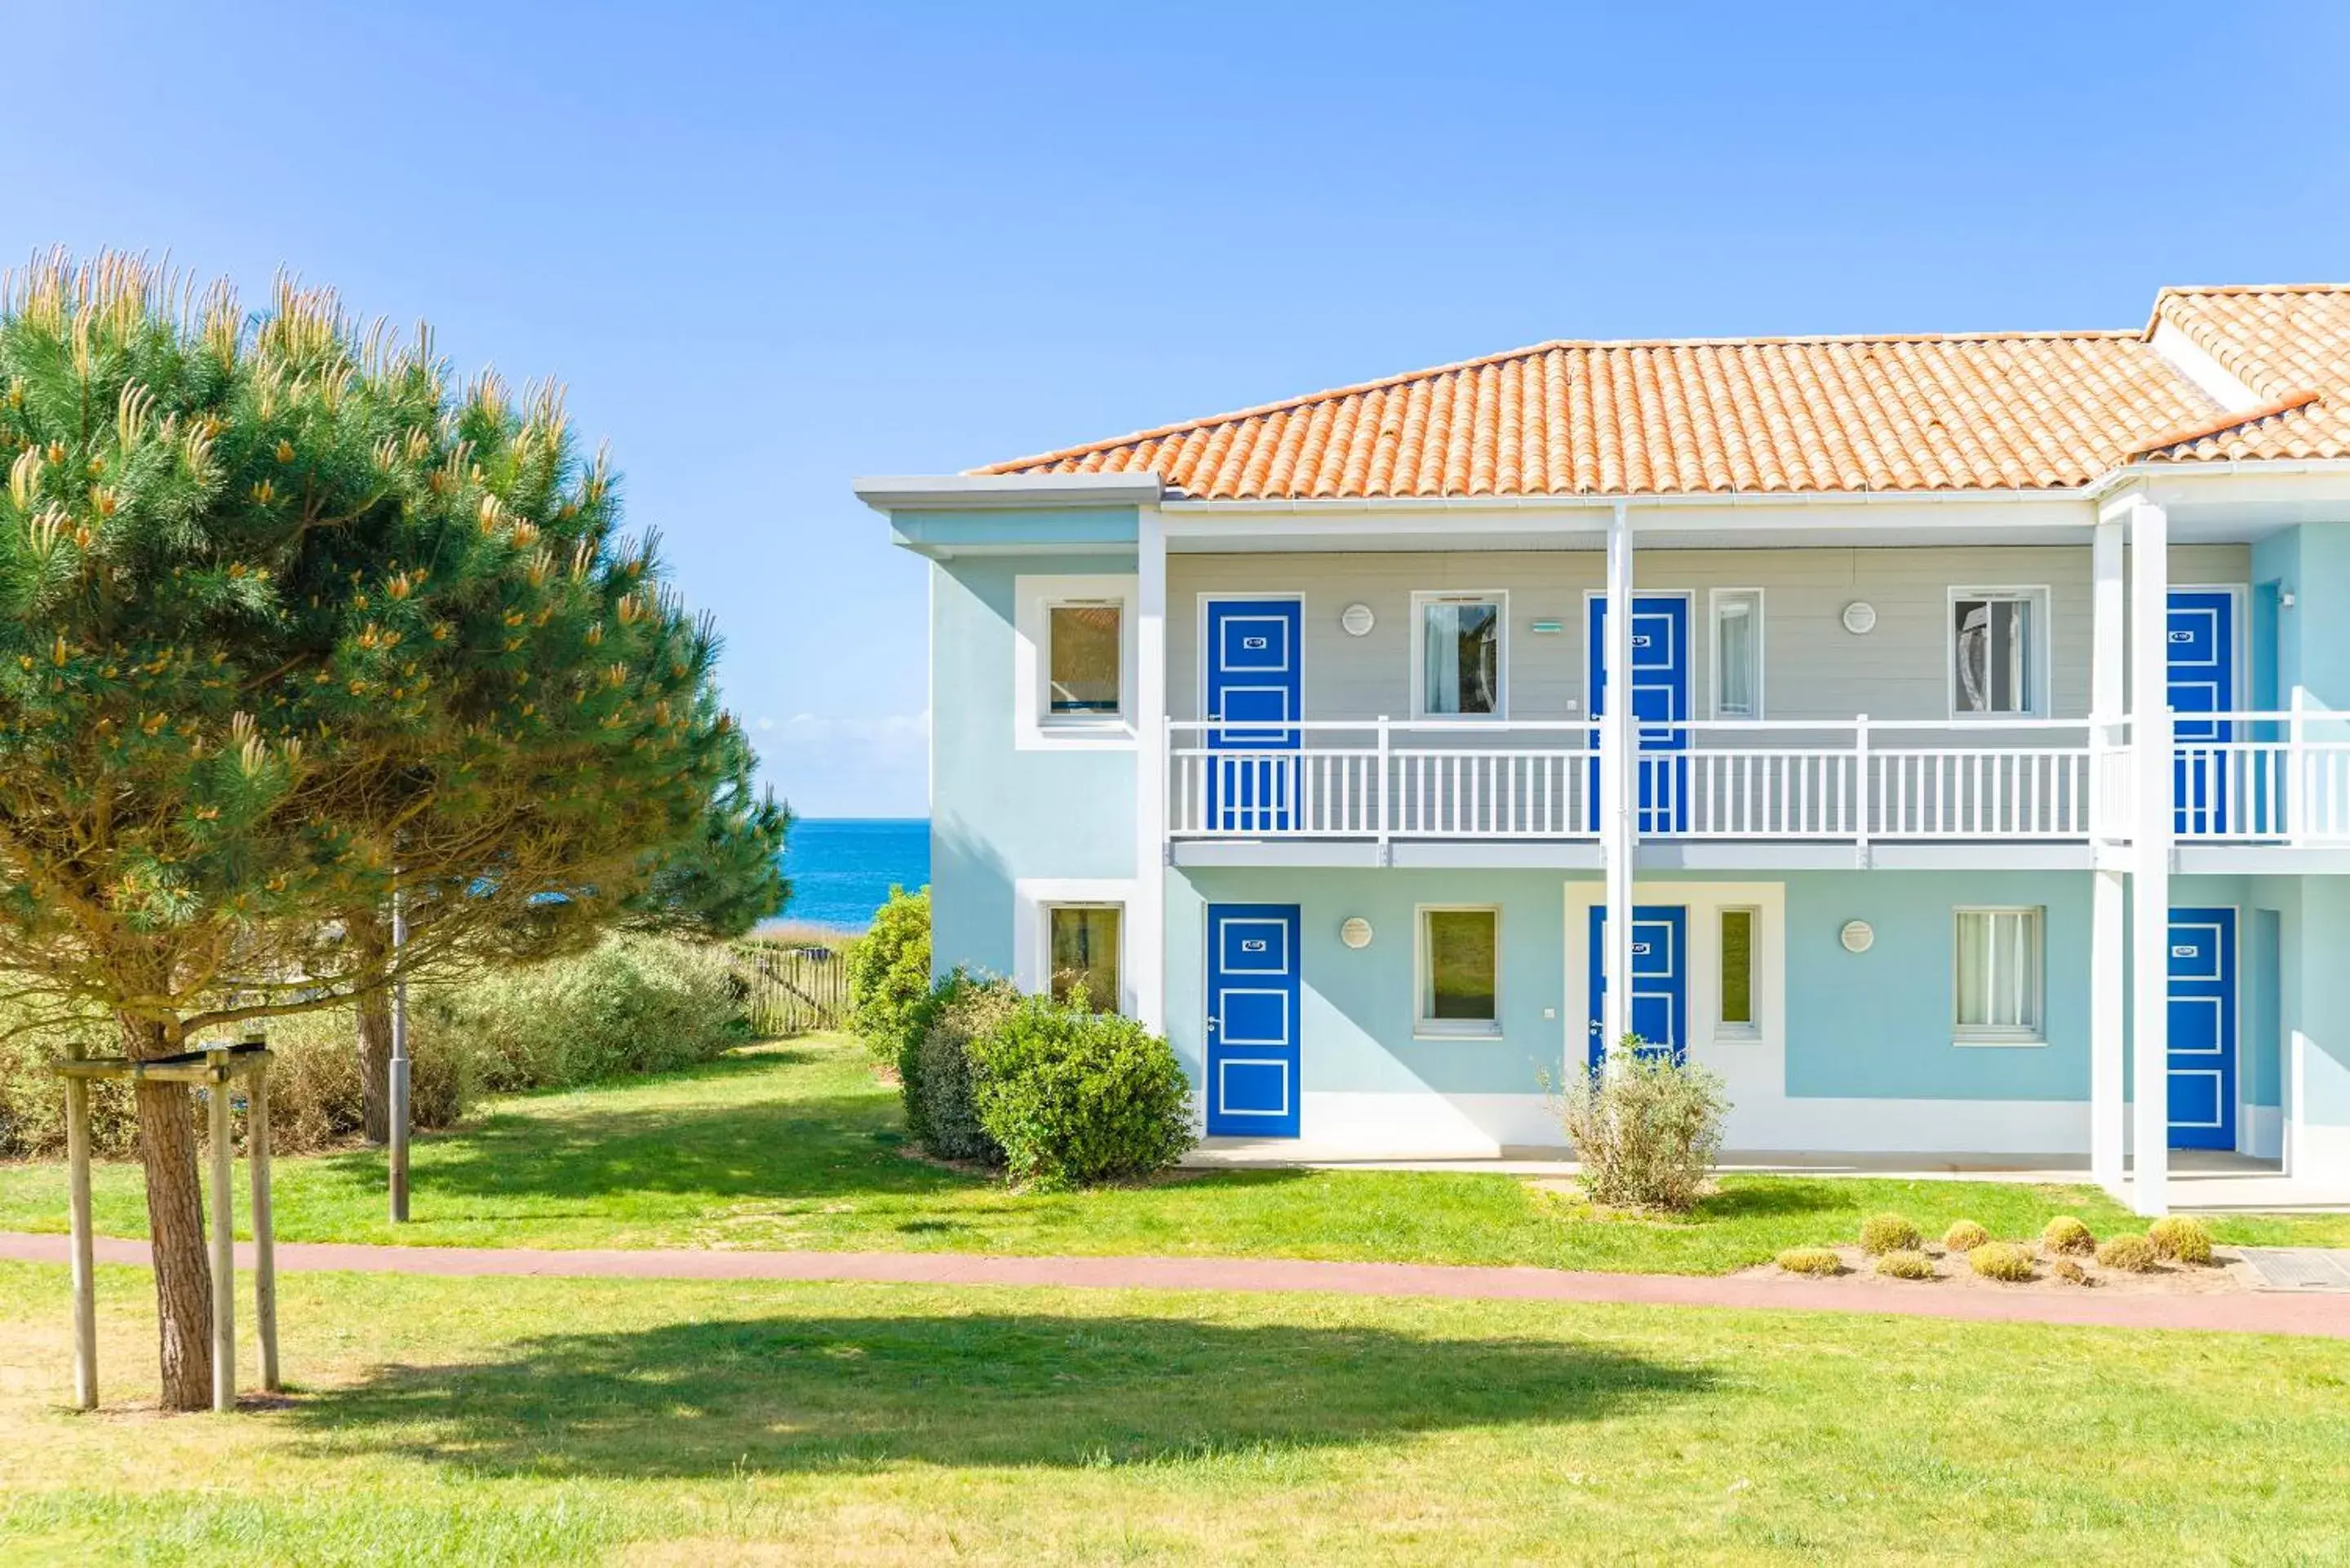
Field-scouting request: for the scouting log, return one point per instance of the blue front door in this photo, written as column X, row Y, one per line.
column 2202, row 679
column 1253, row 1019
column 1253, row 703
column 1659, row 977
column 1660, row 702
column 2202, row 1028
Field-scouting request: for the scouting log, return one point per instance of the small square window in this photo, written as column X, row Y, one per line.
column 1085, row 954
column 1738, row 653
column 1738, row 930
column 1459, row 972
column 1459, row 656
column 1997, row 977
column 1083, row 651
column 1994, row 656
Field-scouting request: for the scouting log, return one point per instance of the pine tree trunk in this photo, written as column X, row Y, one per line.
column 373, row 943
column 175, row 1221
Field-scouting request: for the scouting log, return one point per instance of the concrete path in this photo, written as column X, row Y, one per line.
column 2248, row 1313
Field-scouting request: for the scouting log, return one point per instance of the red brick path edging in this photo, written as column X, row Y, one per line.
column 2326, row 1316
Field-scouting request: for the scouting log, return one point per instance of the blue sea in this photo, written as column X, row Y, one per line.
column 842, row 868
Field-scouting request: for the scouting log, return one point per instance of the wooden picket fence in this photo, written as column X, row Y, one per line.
column 791, row 989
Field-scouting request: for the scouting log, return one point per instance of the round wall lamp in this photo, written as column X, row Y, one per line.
column 1857, row 936
column 1357, row 620
column 1356, row 931
column 1860, row 617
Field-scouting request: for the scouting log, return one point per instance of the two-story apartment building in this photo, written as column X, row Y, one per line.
column 1963, row 779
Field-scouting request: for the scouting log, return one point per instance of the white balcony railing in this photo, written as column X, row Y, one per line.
column 2267, row 779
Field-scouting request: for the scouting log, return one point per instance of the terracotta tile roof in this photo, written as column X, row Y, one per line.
column 1962, row 412
column 2290, row 344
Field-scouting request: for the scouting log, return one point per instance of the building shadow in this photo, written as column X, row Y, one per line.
column 791, row 1394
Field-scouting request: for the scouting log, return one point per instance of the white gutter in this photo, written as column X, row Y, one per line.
column 978, row 492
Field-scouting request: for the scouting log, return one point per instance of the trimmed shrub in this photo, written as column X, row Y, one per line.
column 2177, row 1236
column 1819, row 1262
column 889, row 973
column 1881, row 1233
column 2065, row 1235
column 1964, row 1236
column 1644, row 1129
column 314, row 1085
column 2069, row 1269
column 938, row 1087
column 2130, row 1254
column 1906, row 1263
column 631, row 1005
column 1075, row 1098
column 2001, row 1261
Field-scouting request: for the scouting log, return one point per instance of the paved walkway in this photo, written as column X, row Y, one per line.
column 2248, row 1313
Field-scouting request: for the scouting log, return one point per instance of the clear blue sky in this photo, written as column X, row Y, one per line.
column 773, row 248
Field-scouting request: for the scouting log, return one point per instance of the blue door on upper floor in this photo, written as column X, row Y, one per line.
column 1254, row 699
column 1253, row 1024
column 1659, row 978
column 1660, row 702
column 2202, row 1028
column 2209, row 798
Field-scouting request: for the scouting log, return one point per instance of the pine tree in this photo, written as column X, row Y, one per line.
column 288, row 619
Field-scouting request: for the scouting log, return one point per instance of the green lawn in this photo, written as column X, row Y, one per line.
column 517, row 1420
column 794, row 1145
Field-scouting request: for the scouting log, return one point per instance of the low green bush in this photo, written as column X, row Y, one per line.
column 631, row 1005
column 2065, row 1235
column 1819, row 1262
column 314, row 1093
column 1906, row 1263
column 2001, row 1261
column 2130, row 1254
column 2178, row 1237
column 890, row 974
column 1887, row 1233
column 1644, row 1129
column 1964, row 1236
column 936, row 1078
column 1075, row 1098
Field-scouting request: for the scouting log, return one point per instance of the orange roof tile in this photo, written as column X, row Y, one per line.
column 1963, row 411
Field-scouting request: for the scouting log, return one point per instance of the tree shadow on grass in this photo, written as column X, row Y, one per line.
column 1755, row 1197
column 1036, row 1389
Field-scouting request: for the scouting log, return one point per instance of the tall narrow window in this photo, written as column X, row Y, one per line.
column 1738, row 971
column 1459, row 972
column 1459, row 656
column 1997, row 978
column 1992, row 653
column 1085, row 954
column 1082, row 661
column 1738, row 653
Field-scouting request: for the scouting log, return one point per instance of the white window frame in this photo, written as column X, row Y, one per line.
column 1500, row 599
column 1034, row 899
column 2041, row 634
column 1423, row 979
column 1034, row 726
column 1715, row 598
column 1972, row 1036
column 1752, row 1028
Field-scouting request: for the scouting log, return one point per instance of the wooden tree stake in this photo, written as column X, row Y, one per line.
column 224, row 1243
column 85, row 1279
column 264, row 1243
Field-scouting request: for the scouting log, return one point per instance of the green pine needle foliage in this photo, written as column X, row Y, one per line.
column 284, row 606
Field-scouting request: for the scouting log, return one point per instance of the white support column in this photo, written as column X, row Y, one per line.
column 1618, row 785
column 2150, row 843
column 1146, row 944
column 2107, row 1044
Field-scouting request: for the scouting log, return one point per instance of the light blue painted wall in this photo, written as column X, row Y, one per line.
column 2322, row 1008
column 999, row 814
column 1357, row 1004
column 1875, row 1024
column 1878, row 1025
column 1069, row 529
